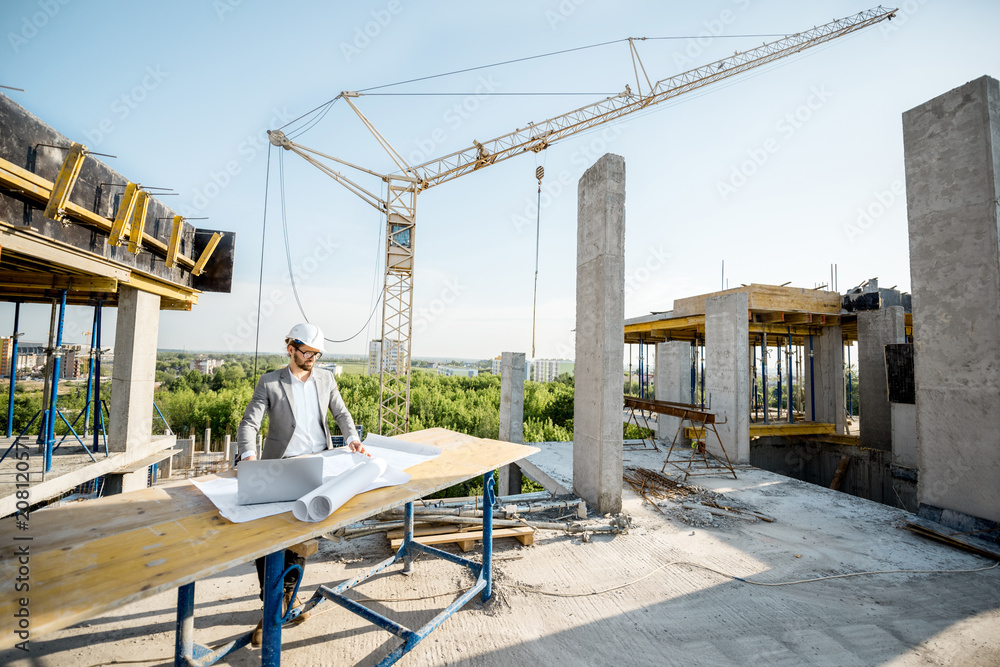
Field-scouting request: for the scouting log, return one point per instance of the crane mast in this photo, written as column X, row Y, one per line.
column 403, row 186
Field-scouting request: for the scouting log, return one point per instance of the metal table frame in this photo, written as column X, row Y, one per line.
column 189, row 654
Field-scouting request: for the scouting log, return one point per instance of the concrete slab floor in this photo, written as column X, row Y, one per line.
column 652, row 613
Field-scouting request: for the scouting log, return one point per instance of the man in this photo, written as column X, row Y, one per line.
column 295, row 399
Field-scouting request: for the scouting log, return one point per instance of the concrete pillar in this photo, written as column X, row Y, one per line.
column 727, row 373
column 512, row 367
column 227, row 447
column 952, row 153
column 600, row 334
column 208, row 439
column 876, row 329
column 673, row 383
column 827, row 364
column 130, row 424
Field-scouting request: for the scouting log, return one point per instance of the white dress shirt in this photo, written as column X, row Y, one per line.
column 308, row 437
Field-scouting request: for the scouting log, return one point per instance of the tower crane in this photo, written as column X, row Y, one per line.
column 402, row 187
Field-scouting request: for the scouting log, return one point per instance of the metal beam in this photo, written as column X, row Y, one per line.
column 68, row 175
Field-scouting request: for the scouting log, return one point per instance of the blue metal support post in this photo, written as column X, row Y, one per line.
column 778, row 350
column 98, row 412
column 270, row 649
column 53, row 402
column 13, row 370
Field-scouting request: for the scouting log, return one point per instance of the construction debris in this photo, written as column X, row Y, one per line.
column 458, row 520
column 651, row 484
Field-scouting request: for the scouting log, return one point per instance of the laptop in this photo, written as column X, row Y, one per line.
column 277, row 480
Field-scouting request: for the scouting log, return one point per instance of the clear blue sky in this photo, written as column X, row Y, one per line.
column 769, row 172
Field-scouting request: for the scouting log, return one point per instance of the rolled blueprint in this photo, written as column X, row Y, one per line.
column 328, row 498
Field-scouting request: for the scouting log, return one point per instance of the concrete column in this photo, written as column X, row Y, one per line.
column 673, row 383
column 208, row 439
column 727, row 373
column 130, row 424
column 227, row 447
column 828, row 367
column 876, row 329
column 952, row 153
column 512, row 367
column 600, row 334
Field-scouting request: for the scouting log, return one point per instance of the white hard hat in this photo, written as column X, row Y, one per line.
column 306, row 333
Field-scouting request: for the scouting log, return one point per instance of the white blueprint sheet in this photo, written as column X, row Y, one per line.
column 397, row 454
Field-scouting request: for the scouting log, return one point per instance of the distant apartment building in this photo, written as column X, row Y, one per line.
column 547, row 370
column 29, row 356
column 336, row 369
column 205, row 366
column 457, row 371
column 497, row 364
column 69, row 367
column 394, row 356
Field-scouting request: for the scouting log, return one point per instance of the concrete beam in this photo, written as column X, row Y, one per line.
column 600, row 332
column 952, row 153
column 727, row 374
column 131, row 420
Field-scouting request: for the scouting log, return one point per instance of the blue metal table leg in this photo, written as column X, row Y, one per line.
column 184, row 643
column 489, row 498
column 274, row 565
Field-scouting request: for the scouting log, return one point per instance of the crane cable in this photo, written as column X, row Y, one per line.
column 539, row 174
column 518, row 60
column 288, row 258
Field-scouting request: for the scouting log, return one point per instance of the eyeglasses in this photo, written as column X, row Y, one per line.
column 296, row 343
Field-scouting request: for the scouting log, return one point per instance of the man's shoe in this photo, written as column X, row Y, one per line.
column 291, row 604
column 257, row 638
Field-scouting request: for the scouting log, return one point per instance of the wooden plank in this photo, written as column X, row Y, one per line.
column 438, row 529
column 98, row 555
column 780, row 429
column 467, row 539
column 52, row 281
column 55, row 486
column 767, row 298
column 838, row 475
column 666, row 324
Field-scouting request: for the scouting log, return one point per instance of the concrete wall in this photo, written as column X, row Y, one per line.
column 673, row 383
column 904, row 434
column 952, row 154
column 727, row 373
column 130, row 423
column 876, row 329
column 869, row 473
column 600, row 334
column 830, row 406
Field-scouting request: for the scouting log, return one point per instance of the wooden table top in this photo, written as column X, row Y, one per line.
column 86, row 558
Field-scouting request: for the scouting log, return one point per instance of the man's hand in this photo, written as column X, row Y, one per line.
column 356, row 446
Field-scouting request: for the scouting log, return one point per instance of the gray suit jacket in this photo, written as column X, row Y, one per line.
column 273, row 395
